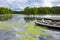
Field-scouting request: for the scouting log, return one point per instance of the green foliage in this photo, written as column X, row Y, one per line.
column 26, row 10
column 18, row 12
column 42, row 10
column 6, row 14
column 5, row 10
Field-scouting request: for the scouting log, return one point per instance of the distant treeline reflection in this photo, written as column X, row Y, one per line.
column 27, row 19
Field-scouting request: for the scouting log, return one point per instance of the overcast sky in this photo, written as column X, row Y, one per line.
column 21, row 4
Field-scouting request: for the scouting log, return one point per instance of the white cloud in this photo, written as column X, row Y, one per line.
column 16, row 1
column 2, row 5
column 9, row 0
column 21, row 4
column 47, row 3
column 35, row 4
column 58, row 5
column 50, row 3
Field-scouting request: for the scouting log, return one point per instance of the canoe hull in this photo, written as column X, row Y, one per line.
column 48, row 26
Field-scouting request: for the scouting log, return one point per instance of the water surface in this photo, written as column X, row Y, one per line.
column 24, row 28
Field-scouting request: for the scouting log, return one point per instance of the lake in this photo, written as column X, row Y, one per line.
column 24, row 28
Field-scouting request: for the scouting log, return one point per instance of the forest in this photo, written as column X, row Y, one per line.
column 4, row 10
column 32, row 11
column 42, row 10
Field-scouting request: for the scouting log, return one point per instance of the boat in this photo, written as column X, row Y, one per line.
column 53, row 21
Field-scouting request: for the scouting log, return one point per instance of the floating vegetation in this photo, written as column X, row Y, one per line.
column 32, row 32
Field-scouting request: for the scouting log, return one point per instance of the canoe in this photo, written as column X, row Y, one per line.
column 46, row 24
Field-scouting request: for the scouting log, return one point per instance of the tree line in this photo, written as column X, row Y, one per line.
column 4, row 10
column 32, row 11
column 42, row 10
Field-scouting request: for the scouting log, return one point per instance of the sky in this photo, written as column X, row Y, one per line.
column 21, row 4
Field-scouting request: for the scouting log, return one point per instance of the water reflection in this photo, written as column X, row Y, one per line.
column 46, row 34
column 15, row 24
column 28, row 19
column 25, row 28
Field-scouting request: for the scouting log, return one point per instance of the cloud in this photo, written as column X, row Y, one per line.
column 21, row 4
column 56, row 3
column 47, row 3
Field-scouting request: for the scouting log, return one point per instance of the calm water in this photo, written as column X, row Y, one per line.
column 24, row 28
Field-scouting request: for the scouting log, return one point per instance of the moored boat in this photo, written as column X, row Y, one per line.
column 49, row 22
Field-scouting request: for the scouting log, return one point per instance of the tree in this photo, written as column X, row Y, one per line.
column 4, row 12
column 27, row 11
column 42, row 10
